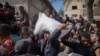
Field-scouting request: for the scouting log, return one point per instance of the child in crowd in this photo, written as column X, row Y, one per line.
column 5, row 39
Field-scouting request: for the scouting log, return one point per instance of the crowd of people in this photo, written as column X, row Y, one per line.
column 17, row 37
column 6, row 13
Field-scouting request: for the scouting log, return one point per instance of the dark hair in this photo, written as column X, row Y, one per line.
column 6, row 3
column 84, row 34
column 25, row 28
column 15, row 29
column 1, row 5
column 46, row 32
column 4, row 30
column 21, row 7
column 66, row 15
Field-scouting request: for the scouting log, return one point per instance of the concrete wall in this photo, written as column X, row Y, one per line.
column 68, row 10
column 80, row 10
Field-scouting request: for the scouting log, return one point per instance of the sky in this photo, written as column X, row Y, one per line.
column 58, row 5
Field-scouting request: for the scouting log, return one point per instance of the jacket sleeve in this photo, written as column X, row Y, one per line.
column 65, row 41
column 55, row 35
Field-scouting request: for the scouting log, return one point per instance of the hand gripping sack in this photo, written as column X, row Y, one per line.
column 48, row 24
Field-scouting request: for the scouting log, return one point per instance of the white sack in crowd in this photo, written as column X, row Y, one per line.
column 48, row 24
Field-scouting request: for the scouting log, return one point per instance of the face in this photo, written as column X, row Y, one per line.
column 46, row 36
column 93, row 37
column 24, row 35
column 85, row 41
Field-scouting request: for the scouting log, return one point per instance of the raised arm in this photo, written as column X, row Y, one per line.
column 65, row 41
column 56, row 33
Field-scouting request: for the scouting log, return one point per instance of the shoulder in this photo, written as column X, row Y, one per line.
column 29, row 40
column 22, row 40
column 97, row 52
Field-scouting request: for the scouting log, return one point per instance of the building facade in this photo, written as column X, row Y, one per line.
column 74, row 8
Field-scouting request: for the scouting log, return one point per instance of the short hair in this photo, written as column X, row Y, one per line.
column 6, row 3
column 4, row 30
column 21, row 7
column 84, row 34
column 1, row 5
column 15, row 29
column 46, row 32
column 66, row 15
column 25, row 29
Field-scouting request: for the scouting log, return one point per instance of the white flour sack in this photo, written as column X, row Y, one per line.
column 48, row 24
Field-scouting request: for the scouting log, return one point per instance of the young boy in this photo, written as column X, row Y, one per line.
column 5, row 39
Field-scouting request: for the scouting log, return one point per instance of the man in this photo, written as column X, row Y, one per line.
column 53, row 45
column 22, row 46
column 15, row 34
column 24, row 16
column 67, row 18
column 81, row 19
column 5, row 39
column 77, row 24
column 9, row 12
column 82, row 48
column 1, row 13
column 97, row 44
column 24, row 33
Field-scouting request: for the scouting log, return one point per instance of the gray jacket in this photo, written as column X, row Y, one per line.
column 52, row 48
